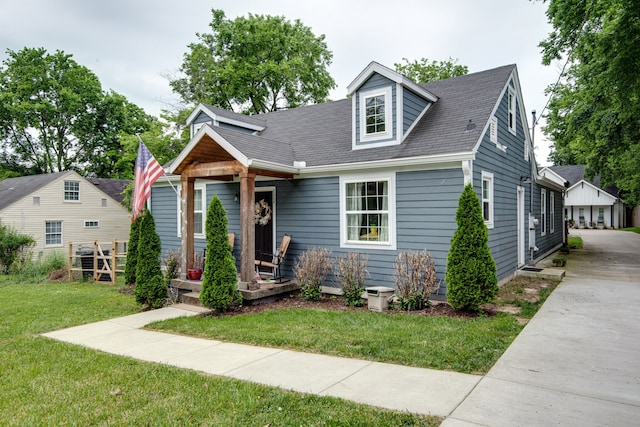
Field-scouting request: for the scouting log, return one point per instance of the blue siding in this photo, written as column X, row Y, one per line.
column 202, row 118
column 376, row 81
column 412, row 107
column 308, row 210
column 507, row 168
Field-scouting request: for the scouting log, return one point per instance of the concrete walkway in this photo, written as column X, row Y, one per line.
column 576, row 363
column 421, row 391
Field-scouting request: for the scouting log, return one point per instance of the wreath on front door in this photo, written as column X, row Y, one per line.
column 262, row 213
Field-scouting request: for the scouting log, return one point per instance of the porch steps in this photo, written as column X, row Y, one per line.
column 191, row 298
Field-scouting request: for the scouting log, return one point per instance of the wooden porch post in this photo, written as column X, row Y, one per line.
column 247, row 226
column 186, row 225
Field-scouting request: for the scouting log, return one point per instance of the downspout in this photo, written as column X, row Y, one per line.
column 533, row 175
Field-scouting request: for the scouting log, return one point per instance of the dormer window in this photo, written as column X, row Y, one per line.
column 375, row 114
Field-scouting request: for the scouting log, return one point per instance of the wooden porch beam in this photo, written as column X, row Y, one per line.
column 205, row 170
column 247, row 226
column 186, row 224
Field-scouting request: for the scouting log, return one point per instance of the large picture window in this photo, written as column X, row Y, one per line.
column 368, row 214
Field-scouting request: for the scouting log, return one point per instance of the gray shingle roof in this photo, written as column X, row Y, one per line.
column 321, row 134
column 112, row 187
column 13, row 189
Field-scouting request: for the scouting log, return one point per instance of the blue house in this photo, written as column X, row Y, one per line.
column 378, row 173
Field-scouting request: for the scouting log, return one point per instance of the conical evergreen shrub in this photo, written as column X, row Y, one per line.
column 132, row 252
column 471, row 271
column 150, row 290
column 220, row 278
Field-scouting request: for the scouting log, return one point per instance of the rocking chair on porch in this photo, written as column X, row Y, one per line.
column 275, row 261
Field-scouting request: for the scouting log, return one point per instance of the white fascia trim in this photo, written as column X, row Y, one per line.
column 399, row 113
column 417, row 120
column 390, row 163
column 201, row 108
column 208, row 130
column 375, row 67
column 276, row 167
column 546, row 172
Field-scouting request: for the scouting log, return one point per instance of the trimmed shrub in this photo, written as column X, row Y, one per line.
column 132, row 252
column 471, row 271
column 150, row 289
column 311, row 270
column 220, row 278
column 13, row 247
column 415, row 279
column 352, row 271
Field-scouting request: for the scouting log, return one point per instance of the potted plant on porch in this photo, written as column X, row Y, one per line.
column 195, row 273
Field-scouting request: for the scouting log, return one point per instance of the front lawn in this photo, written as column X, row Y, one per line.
column 46, row 382
column 632, row 229
column 469, row 345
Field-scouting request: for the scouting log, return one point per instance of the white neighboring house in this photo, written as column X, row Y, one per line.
column 61, row 207
column 586, row 203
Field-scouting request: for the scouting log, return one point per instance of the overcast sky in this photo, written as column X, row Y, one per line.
column 133, row 46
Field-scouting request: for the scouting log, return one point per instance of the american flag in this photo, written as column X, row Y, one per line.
column 148, row 170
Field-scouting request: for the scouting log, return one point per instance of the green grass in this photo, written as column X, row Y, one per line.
column 575, row 242
column 632, row 229
column 457, row 344
column 46, row 382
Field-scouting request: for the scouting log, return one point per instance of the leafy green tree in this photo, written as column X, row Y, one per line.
column 46, row 107
column 593, row 114
column 255, row 64
column 150, row 289
column 132, row 252
column 114, row 121
column 220, row 278
column 471, row 271
column 12, row 245
column 425, row 71
column 54, row 116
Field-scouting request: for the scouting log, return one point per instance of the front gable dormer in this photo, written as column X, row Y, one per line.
column 385, row 107
column 217, row 117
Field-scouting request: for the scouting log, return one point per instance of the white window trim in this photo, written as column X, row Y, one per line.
column 387, row 92
column 511, row 111
column 552, row 212
column 88, row 221
column 55, row 245
column 487, row 176
column 391, row 179
column 543, row 212
column 196, row 186
column 64, row 192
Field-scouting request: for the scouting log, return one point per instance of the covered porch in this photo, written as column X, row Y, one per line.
column 212, row 156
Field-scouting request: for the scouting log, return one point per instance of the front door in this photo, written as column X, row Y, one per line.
column 264, row 219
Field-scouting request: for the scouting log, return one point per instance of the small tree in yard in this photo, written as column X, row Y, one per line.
column 311, row 270
column 150, row 289
column 132, row 252
column 415, row 279
column 220, row 279
column 352, row 270
column 471, row 271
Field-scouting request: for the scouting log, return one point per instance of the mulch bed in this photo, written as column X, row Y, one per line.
column 336, row 303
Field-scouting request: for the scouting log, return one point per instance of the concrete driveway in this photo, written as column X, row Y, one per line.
column 577, row 363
